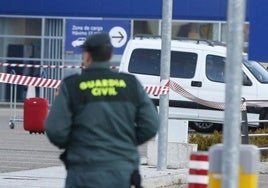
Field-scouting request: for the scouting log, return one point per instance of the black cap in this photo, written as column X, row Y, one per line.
column 96, row 40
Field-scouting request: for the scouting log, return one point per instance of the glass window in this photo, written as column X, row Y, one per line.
column 215, row 68
column 24, row 31
column 259, row 71
column 183, row 64
column 147, row 61
column 21, row 42
column 146, row 27
column 192, row 30
column 224, row 31
column 20, row 26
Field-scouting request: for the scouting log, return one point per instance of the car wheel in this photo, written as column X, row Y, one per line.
column 205, row 127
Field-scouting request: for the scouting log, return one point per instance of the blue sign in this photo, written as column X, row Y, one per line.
column 149, row 9
column 78, row 30
column 258, row 39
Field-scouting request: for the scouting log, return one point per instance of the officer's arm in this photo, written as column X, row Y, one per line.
column 147, row 117
column 59, row 120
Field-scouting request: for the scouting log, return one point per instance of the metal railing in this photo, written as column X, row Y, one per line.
column 244, row 126
column 245, row 133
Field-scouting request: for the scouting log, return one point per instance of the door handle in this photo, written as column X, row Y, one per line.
column 196, row 84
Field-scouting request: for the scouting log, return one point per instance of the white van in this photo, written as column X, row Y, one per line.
column 198, row 67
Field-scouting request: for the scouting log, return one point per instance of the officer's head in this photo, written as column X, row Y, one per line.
column 97, row 47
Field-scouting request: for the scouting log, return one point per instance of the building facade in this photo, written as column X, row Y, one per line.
column 44, row 37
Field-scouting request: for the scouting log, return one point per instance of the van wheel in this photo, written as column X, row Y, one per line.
column 205, row 127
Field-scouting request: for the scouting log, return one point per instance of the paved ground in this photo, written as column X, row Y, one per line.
column 20, row 151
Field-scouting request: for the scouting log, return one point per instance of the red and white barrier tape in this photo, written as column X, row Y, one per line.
column 46, row 66
column 156, row 90
column 29, row 81
column 198, row 170
column 216, row 105
column 51, row 83
column 163, row 89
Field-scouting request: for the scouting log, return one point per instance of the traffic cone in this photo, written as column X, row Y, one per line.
column 30, row 92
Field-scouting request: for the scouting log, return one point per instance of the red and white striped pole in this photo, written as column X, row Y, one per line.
column 198, row 170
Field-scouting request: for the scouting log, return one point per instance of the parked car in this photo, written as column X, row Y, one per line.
column 78, row 42
column 198, row 67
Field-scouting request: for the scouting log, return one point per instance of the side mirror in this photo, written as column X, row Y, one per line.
column 246, row 80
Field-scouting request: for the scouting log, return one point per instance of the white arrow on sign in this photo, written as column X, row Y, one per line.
column 118, row 36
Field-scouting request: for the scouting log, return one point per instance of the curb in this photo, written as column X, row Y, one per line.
column 55, row 177
column 165, row 181
column 19, row 105
column 151, row 177
column 263, row 168
column 173, row 177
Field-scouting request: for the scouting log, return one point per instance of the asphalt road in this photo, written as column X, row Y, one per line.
column 20, row 150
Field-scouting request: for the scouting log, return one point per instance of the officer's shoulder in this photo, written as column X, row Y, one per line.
column 128, row 76
column 71, row 78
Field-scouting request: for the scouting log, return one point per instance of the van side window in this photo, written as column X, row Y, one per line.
column 183, row 64
column 215, row 68
column 147, row 61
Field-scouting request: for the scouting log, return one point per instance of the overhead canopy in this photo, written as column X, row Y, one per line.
column 141, row 9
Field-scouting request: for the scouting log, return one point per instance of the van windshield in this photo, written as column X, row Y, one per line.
column 258, row 71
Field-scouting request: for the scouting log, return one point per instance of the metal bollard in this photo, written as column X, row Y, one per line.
column 249, row 166
column 244, row 127
column 198, row 170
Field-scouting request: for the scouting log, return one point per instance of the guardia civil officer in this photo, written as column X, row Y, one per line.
column 100, row 117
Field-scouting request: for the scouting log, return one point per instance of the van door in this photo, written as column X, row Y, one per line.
column 213, row 86
column 184, row 71
column 145, row 64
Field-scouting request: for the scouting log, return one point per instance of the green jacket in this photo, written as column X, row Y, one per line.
column 100, row 117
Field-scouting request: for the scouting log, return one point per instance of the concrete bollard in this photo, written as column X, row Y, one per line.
column 249, row 166
column 177, row 154
column 198, row 170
